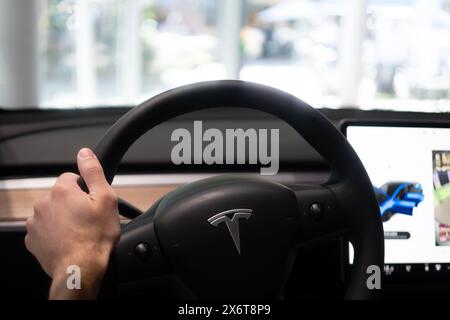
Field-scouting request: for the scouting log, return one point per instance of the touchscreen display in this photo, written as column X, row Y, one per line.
column 410, row 171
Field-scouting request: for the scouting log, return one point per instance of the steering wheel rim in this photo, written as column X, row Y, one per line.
column 348, row 181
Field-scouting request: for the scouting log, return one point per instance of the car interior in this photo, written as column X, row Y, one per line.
column 349, row 98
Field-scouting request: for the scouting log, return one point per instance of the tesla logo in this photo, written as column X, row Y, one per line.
column 231, row 219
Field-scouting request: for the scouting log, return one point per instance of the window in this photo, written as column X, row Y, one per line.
column 383, row 54
column 407, row 55
column 294, row 46
column 121, row 52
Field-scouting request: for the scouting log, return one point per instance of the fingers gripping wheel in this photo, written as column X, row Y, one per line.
column 235, row 237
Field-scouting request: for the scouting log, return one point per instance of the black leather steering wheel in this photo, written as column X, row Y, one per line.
column 182, row 233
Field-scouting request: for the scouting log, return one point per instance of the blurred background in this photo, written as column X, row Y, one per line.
column 370, row 54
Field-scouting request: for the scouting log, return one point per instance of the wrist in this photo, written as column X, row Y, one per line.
column 79, row 277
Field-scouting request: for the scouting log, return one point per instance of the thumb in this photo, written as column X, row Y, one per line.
column 91, row 170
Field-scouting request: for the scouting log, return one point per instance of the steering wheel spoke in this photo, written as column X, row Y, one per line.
column 320, row 213
column 139, row 255
column 127, row 210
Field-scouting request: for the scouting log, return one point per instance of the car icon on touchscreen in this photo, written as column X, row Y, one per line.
column 398, row 197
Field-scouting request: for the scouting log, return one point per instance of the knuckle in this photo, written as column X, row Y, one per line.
column 114, row 231
column 36, row 208
column 67, row 175
column 27, row 242
column 29, row 224
column 116, row 235
column 63, row 185
column 41, row 206
column 110, row 198
column 92, row 168
column 59, row 190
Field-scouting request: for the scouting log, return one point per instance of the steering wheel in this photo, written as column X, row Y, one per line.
column 234, row 236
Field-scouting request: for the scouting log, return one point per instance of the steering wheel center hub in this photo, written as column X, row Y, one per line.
column 229, row 229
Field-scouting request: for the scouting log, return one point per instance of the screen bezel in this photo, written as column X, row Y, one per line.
column 400, row 276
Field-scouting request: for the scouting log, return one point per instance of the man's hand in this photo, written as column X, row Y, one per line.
column 70, row 227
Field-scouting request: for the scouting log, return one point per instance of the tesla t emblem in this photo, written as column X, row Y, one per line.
column 231, row 219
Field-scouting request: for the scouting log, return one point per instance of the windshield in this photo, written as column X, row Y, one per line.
column 371, row 54
column 390, row 188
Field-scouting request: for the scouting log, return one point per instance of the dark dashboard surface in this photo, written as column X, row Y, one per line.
column 37, row 143
column 34, row 142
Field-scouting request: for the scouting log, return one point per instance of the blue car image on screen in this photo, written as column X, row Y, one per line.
column 398, row 197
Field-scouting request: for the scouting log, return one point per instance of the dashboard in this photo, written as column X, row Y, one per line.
column 407, row 159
